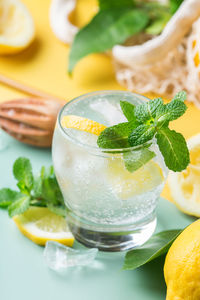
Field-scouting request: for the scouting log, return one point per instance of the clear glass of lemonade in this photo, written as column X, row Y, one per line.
column 108, row 207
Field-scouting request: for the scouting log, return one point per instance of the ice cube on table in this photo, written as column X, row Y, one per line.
column 59, row 257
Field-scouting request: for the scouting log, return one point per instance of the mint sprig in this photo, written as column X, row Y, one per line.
column 41, row 190
column 145, row 122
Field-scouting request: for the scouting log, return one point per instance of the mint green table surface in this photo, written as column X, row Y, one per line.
column 24, row 275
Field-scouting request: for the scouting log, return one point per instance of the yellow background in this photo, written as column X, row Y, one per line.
column 44, row 65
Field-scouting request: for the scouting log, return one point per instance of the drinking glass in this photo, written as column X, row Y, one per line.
column 108, row 207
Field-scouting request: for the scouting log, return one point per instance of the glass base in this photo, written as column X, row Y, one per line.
column 111, row 238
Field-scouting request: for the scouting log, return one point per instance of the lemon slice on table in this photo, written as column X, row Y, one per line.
column 40, row 225
column 83, row 124
column 185, row 186
column 16, row 27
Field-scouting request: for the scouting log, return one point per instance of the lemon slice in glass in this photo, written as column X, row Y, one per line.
column 127, row 185
column 16, row 27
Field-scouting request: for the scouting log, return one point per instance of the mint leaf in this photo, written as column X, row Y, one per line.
column 128, row 110
column 7, row 196
column 156, row 246
column 116, row 136
column 174, row 5
column 158, row 25
column 142, row 113
column 181, row 96
column 37, row 187
column 108, row 28
column 174, row 110
column 50, row 190
column 147, row 111
column 22, row 171
column 137, row 158
column 154, row 106
column 171, row 111
column 58, row 210
column 141, row 135
column 173, row 148
column 19, row 206
column 111, row 4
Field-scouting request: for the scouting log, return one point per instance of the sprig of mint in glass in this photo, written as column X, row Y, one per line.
column 118, row 20
column 42, row 190
column 146, row 122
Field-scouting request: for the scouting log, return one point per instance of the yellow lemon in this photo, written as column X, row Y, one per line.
column 126, row 184
column 182, row 265
column 16, row 27
column 40, row 225
column 83, row 124
column 185, row 186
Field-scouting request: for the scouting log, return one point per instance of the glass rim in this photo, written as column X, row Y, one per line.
column 96, row 148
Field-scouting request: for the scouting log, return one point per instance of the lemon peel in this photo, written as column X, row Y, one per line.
column 83, row 124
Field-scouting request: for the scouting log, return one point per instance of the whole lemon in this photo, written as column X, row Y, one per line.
column 182, row 265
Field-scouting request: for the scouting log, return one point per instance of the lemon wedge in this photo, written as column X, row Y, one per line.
column 16, row 27
column 83, row 124
column 40, row 225
column 127, row 185
column 185, row 186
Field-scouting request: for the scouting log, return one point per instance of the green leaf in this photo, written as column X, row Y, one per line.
column 22, row 171
column 142, row 113
column 171, row 111
column 58, row 210
column 181, row 96
column 174, row 110
column 37, row 187
column 147, row 111
column 110, row 4
column 116, row 136
column 154, row 106
column 173, row 148
column 19, row 206
column 141, row 135
column 158, row 25
column 174, row 5
column 8, row 196
column 107, row 28
column 49, row 187
column 129, row 111
column 157, row 245
column 137, row 158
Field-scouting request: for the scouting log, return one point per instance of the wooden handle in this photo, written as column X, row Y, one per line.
column 28, row 89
